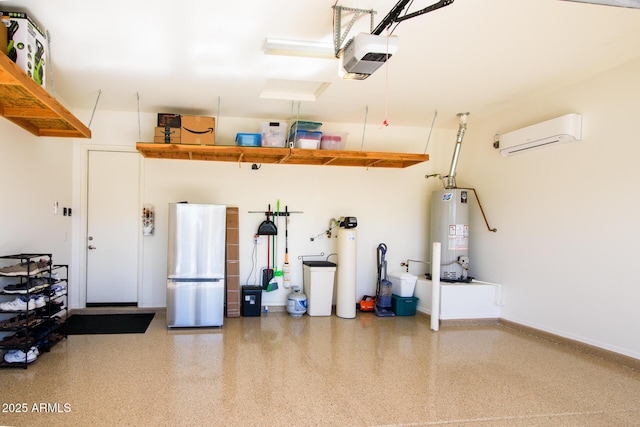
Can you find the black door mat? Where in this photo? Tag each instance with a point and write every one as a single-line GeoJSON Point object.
{"type": "Point", "coordinates": [97, 324]}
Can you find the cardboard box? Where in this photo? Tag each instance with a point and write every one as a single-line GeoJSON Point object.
{"type": "Point", "coordinates": [26, 46]}
{"type": "Point", "coordinates": [173, 120]}
{"type": "Point", "coordinates": [198, 130]}
{"type": "Point", "coordinates": [174, 135]}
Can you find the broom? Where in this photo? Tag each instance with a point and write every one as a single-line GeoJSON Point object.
{"type": "Point", "coordinates": [286, 281]}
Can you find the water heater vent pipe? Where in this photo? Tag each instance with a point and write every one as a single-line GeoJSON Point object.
{"type": "Point", "coordinates": [462, 128]}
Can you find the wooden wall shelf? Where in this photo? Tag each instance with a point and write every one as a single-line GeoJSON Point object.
{"type": "Point", "coordinates": [293, 156]}
{"type": "Point", "coordinates": [28, 105]}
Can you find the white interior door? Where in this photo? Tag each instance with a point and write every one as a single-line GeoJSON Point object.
{"type": "Point", "coordinates": [112, 228]}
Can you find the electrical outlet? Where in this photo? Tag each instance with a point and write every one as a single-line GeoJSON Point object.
{"type": "Point", "coordinates": [256, 240]}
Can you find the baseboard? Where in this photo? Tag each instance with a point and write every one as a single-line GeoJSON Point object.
{"type": "Point", "coordinates": [274, 308]}
{"type": "Point", "coordinates": [461, 322]}
{"type": "Point", "coordinates": [600, 353]}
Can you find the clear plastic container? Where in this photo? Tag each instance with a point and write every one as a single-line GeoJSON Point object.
{"type": "Point", "coordinates": [273, 134]}
{"type": "Point", "coordinates": [333, 140]}
{"type": "Point", "coordinates": [306, 139]}
{"type": "Point", "coordinates": [303, 125]}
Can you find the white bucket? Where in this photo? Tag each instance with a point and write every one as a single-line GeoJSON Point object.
{"type": "Point", "coordinates": [402, 284]}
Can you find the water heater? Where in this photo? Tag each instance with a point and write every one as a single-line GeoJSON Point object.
{"type": "Point", "coordinates": [450, 219]}
{"type": "Point", "coordinates": [450, 227]}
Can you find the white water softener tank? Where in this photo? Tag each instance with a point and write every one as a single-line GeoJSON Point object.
{"type": "Point", "coordinates": [346, 274]}
{"type": "Point", "coordinates": [296, 303]}
{"type": "Point", "coordinates": [450, 227]}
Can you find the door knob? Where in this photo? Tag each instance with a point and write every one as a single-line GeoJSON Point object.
{"type": "Point", "coordinates": [91, 247]}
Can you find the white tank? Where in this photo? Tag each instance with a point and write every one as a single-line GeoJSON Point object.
{"type": "Point", "coordinates": [450, 227]}
{"type": "Point", "coordinates": [346, 274]}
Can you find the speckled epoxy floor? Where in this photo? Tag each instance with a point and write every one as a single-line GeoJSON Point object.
{"type": "Point", "coordinates": [276, 370]}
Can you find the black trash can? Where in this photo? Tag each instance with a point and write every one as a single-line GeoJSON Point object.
{"type": "Point", "coordinates": [251, 301]}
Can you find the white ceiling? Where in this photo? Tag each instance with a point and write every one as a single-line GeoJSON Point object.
{"type": "Point", "coordinates": [187, 57]}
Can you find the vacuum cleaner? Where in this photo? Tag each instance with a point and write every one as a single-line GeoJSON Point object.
{"type": "Point", "coordinates": [383, 288]}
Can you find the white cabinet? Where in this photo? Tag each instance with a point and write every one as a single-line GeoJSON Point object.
{"type": "Point", "coordinates": [461, 300]}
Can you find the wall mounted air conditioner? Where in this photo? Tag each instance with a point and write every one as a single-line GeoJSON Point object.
{"type": "Point", "coordinates": [565, 128]}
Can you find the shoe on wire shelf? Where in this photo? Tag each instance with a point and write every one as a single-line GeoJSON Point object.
{"type": "Point", "coordinates": [19, 356]}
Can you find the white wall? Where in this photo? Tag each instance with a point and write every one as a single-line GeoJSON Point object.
{"type": "Point", "coordinates": [391, 204]}
{"type": "Point", "coordinates": [35, 173]}
{"type": "Point", "coordinates": [567, 216]}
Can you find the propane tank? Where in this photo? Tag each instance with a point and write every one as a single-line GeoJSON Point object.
{"type": "Point", "coordinates": [296, 303]}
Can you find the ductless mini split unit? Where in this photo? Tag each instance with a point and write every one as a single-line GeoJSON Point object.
{"type": "Point", "coordinates": [565, 128]}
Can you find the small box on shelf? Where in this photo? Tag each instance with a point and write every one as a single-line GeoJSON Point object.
{"type": "Point", "coordinates": [248, 139]}
{"type": "Point", "coordinates": [170, 119]}
{"type": "Point", "coordinates": [161, 135]}
{"type": "Point", "coordinates": [198, 130]}
{"type": "Point", "coordinates": [25, 45]}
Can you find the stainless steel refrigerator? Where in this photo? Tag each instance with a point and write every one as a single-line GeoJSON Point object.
{"type": "Point", "coordinates": [196, 265]}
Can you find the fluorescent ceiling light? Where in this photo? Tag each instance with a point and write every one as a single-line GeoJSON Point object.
{"type": "Point", "coordinates": [299, 48]}
{"type": "Point", "coordinates": [293, 90]}
{"type": "Point", "coordinates": [634, 4]}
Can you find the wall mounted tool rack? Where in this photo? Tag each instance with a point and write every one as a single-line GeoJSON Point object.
{"type": "Point", "coordinates": [287, 156]}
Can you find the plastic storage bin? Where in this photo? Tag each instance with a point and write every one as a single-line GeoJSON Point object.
{"type": "Point", "coordinates": [251, 303]}
{"type": "Point", "coordinates": [402, 284]}
{"type": "Point", "coordinates": [303, 125]}
{"type": "Point", "coordinates": [333, 140]}
{"type": "Point", "coordinates": [307, 139]}
{"type": "Point", "coordinates": [404, 306]}
{"type": "Point", "coordinates": [317, 282]}
{"type": "Point", "coordinates": [248, 139]}
{"type": "Point", "coordinates": [273, 134]}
